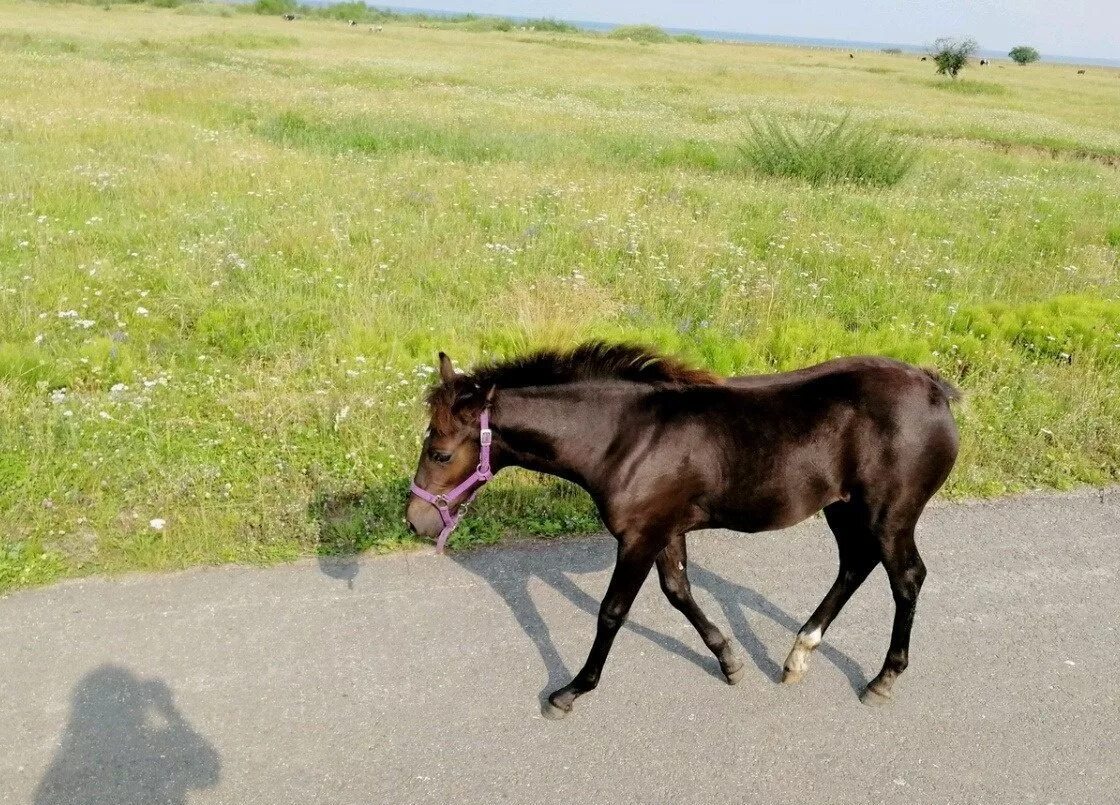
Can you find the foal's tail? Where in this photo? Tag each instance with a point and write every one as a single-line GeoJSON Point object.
{"type": "Point", "coordinates": [952, 393]}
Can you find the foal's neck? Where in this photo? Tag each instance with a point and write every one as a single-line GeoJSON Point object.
{"type": "Point", "coordinates": [560, 430]}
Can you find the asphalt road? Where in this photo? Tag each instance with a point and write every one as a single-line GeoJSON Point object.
{"type": "Point", "coordinates": [418, 678]}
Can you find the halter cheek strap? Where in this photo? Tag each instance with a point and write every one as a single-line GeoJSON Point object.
{"type": "Point", "coordinates": [468, 488]}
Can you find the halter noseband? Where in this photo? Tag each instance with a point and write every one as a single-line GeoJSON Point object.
{"type": "Point", "coordinates": [474, 482]}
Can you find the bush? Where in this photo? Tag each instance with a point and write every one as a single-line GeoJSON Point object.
{"type": "Point", "coordinates": [827, 152]}
{"type": "Point", "coordinates": [475, 23]}
{"type": "Point", "coordinates": [1024, 54]}
{"type": "Point", "coordinates": [549, 25]}
{"type": "Point", "coordinates": [691, 39]}
{"type": "Point", "coordinates": [274, 7]}
{"type": "Point", "coordinates": [1064, 328]}
{"type": "Point", "coordinates": [952, 55]}
{"type": "Point", "coordinates": [359, 12]}
{"type": "Point", "coordinates": [649, 34]}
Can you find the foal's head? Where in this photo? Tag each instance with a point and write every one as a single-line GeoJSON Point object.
{"type": "Point", "coordinates": [452, 449]}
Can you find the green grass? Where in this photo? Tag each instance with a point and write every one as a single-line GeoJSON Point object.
{"type": "Point", "coordinates": [231, 246]}
{"type": "Point", "coordinates": [825, 152]}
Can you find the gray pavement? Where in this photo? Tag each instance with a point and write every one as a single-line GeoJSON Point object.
{"type": "Point", "coordinates": [418, 678]}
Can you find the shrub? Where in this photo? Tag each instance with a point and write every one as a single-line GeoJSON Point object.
{"type": "Point", "coordinates": [344, 11]}
{"type": "Point", "coordinates": [475, 23]}
{"type": "Point", "coordinates": [691, 39]}
{"type": "Point", "coordinates": [827, 152]}
{"type": "Point", "coordinates": [1064, 328]}
{"type": "Point", "coordinates": [273, 7]}
{"type": "Point", "coordinates": [952, 55]}
{"type": "Point", "coordinates": [649, 34]}
{"type": "Point", "coordinates": [550, 25]}
{"type": "Point", "coordinates": [1024, 54]}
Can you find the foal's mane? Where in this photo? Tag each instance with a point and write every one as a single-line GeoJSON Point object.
{"type": "Point", "coordinates": [595, 360]}
{"type": "Point", "coordinates": [592, 361]}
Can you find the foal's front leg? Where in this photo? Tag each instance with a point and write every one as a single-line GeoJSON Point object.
{"type": "Point", "coordinates": [635, 558]}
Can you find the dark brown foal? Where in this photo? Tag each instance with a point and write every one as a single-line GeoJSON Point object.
{"type": "Point", "coordinates": [665, 449]}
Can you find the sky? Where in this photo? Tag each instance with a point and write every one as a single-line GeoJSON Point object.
{"type": "Point", "coordinates": [1058, 27]}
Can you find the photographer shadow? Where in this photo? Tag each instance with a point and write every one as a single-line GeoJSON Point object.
{"type": "Point", "coordinates": [126, 744]}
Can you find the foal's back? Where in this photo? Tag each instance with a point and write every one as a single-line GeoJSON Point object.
{"type": "Point", "coordinates": [782, 446]}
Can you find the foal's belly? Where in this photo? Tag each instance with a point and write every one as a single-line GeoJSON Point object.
{"type": "Point", "coordinates": [772, 510]}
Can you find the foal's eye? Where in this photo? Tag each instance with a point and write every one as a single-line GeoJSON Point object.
{"type": "Point", "coordinates": [437, 456]}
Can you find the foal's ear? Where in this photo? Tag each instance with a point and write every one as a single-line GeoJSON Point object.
{"type": "Point", "coordinates": [446, 370]}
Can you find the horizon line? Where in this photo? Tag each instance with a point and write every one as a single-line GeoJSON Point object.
{"type": "Point", "coordinates": [712, 34]}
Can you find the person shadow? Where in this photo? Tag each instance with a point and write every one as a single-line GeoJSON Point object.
{"type": "Point", "coordinates": [510, 573]}
{"type": "Point", "coordinates": [126, 744]}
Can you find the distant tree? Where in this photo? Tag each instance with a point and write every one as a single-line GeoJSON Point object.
{"type": "Point", "coordinates": [952, 55]}
{"type": "Point", "coordinates": [1024, 54]}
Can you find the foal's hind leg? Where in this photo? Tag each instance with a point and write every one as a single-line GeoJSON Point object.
{"type": "Point", "coordinates": [672, 567]}
{"type": "Point", "coordinates": [906, 572]}
{"type": "Point", "coordinates": [859, 553]}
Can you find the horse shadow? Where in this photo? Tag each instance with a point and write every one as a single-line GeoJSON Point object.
{"type": "Point", "coordinates": [340, 525]}
{"type": "Point", "coordinates": [343, 520]}
{"type": "Point", "coordinates": [511, 572]}
{"type": "Point", "coordinates": [343, 568]}
{"type": "Point", "coordinates": [735, 598]}
{"type": "Point", "coordinates": [126, 744]}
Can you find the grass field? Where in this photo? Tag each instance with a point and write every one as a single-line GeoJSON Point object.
{"type": "Point", "coordinates": [230, 247]}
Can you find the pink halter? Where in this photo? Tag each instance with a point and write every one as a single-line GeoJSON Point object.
{"type": "Point", "coordinates": [475, 482]}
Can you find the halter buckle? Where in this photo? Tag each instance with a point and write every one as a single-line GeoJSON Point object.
{"type": "Point", "coordinates": [485, 437]}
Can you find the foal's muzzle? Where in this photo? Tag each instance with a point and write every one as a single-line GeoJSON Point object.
{"type": "Point", "coordinates": [423, 518]}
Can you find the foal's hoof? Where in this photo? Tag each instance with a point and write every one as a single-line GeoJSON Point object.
{"type": "Point", "coordinates": [734, 677]}
{"type": "Point", "coordinates": [873, 697]}
{"type": "Point", "coordinates": [791, 676]}
{"type": "Point", "coordinates": [554, 713]}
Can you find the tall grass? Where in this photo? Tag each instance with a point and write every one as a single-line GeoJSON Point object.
{"type": "Point", "coordinates": [968, 87]}
{"type": "Point", "coordinates": [825, 152]}
{"type": "Point", "coordinates": [230, 248]}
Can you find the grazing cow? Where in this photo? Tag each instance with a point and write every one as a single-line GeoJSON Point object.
{"type": "Point", "coordinates": [851, 55]}
{"type": "Point", "coordinates": [352, 23]}
{"type": "Point", "coordinates": [924, 58]}
{"type": "Point", "coordinates": [983, 62]}
{"type": "Point", "coordinates": [289, 17]}
{"type": "Point", "coordinates": [1081, 72]}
